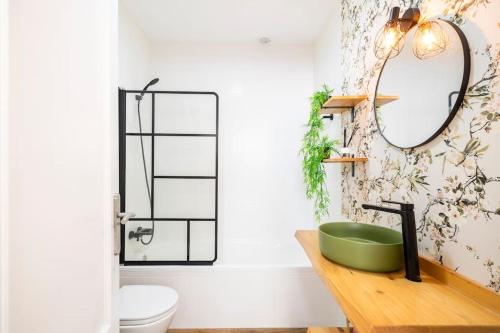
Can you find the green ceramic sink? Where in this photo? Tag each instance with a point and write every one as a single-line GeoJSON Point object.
{"type": "Point", "coordinates": [363, 246]}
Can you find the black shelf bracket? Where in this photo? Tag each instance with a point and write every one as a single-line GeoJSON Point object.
{"type": "Point", "coordinates": [330, 116]}
{"type": "Point", "coordinates": [353, 116]}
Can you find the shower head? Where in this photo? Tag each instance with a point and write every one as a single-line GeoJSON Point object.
{"type": "Point", "coordinates": [152, 82]}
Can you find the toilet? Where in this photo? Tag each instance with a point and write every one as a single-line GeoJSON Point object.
{"type": "Point", "coordinates": [146, 308]}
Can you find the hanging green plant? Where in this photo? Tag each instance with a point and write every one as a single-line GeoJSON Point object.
{"type": "Point", "coordinates": [316, 146]}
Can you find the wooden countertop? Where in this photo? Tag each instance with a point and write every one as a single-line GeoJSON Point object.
{"type": "Point", "coordinates": [376, 302]}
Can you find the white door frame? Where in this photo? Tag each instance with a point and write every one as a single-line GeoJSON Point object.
{"type": "Point", "coordinates": [110, 322]}
{"type": "Point", "coordinates": [111, 260]}
{"type": "Point", "coordinates": [114, 260]}
{"type": "Point", "coordinates": [4, 41]}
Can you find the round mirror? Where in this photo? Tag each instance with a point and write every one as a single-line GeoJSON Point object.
{"type": "Point", "coordinates": [422, 96]}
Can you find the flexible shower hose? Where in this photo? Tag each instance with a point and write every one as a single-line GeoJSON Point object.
{"type": "Point", "coordinates": [145, 172]}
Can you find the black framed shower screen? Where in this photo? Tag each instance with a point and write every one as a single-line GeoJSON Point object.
{"type": "Point", "coordinates": [154, 178]}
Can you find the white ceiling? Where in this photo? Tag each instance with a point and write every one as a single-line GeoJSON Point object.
{"type": "Point", "coordinates": [284, 21]}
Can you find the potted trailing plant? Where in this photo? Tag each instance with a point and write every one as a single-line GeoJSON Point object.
{"type": "Point", "coordinates": [317, 146]}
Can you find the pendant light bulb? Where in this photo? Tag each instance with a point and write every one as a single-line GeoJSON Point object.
{"type": "Point", "coordinates": [389, 41]}
{"type": "Point", "coordinates": [429, 40]}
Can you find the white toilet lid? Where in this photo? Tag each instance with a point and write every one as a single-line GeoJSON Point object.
{"type": "Point", "coordinates": [145, 303]}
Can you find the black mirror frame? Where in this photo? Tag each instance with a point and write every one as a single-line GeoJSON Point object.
{"type": "Point", "coordinates": [460, 97]}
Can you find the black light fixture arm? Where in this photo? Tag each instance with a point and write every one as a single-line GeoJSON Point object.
{"type": "Point", "coordinates": [407, 21]}
{"type": "Point", "coordinates": [394, 15]}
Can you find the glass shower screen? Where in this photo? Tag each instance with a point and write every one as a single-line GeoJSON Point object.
{"type": "Point", "coordinates": [180, 166]}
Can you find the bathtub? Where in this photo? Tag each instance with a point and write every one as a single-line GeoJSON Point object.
{"type": "Point", "coordinates": [252, 285]}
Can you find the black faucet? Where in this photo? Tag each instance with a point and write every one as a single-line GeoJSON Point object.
{"type": "Point", "coordinates": [410, 248]}
{"type": "Point", "coordinates": [140, 232]}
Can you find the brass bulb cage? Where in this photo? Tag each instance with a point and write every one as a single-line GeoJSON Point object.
{"type": "Point", "coordinates": [409, 19]}
{"type": "Point", "coordinates": [423, 49]}
{"type": "Point", "coordinates": [400, 26]}
{"type": "Point", "coordinates": [389, 41]}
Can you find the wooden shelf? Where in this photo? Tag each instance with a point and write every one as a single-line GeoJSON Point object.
{"type": "Point", "coordinates": [345, 160]}
{"type": "Point", "coordinates": [384, 99]}
{"type": "Point", "coordinates": [387, 302]}
{"type": "Point", "coordinates": [339, 104]}
{"type": "Point", "coordinates": [345, 102]}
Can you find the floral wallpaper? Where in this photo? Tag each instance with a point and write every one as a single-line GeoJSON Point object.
{"type": "Point", "coordinates": [453, 181]}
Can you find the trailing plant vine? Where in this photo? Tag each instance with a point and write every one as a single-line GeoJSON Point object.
{"type": "Point", "coordinates": [315, 147]}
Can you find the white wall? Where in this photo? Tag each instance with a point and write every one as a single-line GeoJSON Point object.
{"type": "Point", "coordinates": [272, 296]}
{"type": "Point", "coordinates": [134, 49]}
{"type": "Point", "coordinates": [327, 70]}
{"type": "Point", "coordinates": [263, 105]}
{"type": "Point", "coordinates": [264, 94]}
{"type": "Point", "coordinates": [3, 164]}
{"type": "Point", "coordinates": [61, 105]}
{"type": "Point", "coordinates": [328, 55]}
